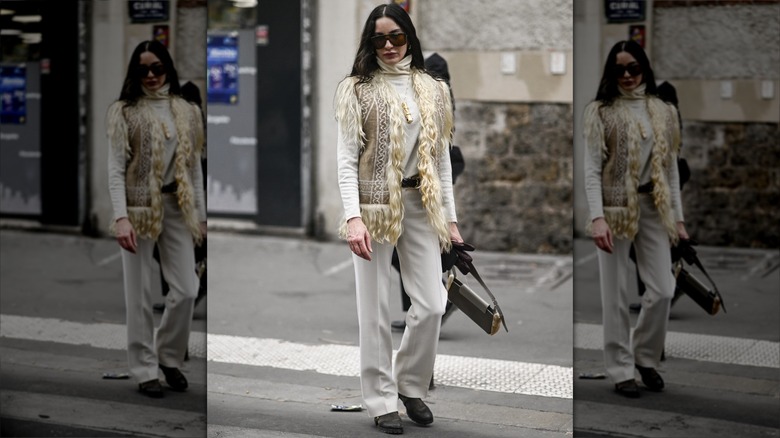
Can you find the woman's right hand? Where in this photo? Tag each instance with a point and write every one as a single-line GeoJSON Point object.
{"type": "Point", "coordinates": [601, 234]}
{"type": "Point", "coordinates": [125, 235]}
{"type": "Point", "coordinates": [358, 238]}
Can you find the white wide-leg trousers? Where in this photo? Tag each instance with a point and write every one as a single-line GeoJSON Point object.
{"type": "Point", "coordinates": [177, 257]}
{"type": "Point", "coordinates": [420, 260]}
{"type": "Point", "coordinates": [655, 268]}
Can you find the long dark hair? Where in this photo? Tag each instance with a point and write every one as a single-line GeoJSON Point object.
{"type": "Point", "coordinates": [608, 88]}
{"type": "Point", "coordinates": [131, 88]}
{"type": "Point", "coordinates": [365, 60]}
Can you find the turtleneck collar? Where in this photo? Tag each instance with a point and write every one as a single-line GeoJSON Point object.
{"type": "Point", "coordinates": [403, 67]}
{"type": "Point", "coordinates": [160, 93]}
{"type": "Point", "coordinates": [636, 93]}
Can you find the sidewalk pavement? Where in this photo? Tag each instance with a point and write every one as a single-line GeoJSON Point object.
{"type": "Point", "coordinates": [62, 327]}
{"type": "Point", "coordinates": [283, 346]}
{"type": "Point", "coordinates": [722, 371]}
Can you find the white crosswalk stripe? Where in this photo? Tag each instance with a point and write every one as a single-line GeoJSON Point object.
{"type": "Point", "coordinates": [706, 348]}
{"type": "Point", "coordinates": [341, 360]}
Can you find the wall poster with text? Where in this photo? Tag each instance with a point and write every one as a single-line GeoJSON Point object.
{"type": "Point", "coordinates": [222, 65]}
{"type": "Point", "coordinates": [13, 94]}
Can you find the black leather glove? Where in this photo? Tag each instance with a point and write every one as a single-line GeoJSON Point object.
{"type": "Point", "coordinates": [684, 250]}
{"type": "Point", "coordinates": [464, 258]}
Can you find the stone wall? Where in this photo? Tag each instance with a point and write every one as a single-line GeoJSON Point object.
{"type": "Point", "coordinates": [515, 193]}
{"type": "Point", "coordinates": [495, 24]}
{"type": "Point", "coordinates": [733, 196]}
{"type": "Point", "coordinates": [724, 40]}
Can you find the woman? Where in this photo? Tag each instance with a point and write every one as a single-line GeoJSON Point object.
{"type": "Point", "coordinates": [395, 123]}
{"type": "Point", "coordinates": [155, 144]}
{"type": "Point", "coordinates": [633, 192]}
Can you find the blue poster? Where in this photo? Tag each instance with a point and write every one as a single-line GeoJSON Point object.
{"type": "Point", "coordinates": [222, 65]}
{"type": "Point", "coordinates": [13, 94]}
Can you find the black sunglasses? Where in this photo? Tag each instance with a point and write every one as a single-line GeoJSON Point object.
{"type": "Point", "coordinates": [633, 69]}
{"type": "Point", "coordinates": [156, 69]}
{"type": "Point", "coordinates": [396, 39]}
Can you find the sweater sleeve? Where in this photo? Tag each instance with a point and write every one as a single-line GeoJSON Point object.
{"type": "Point", "coordinates": [674, 178]}
{"type": "Point", "coordinates": [674, 189]}
{"type": "Point", "coordinates": [118, 149]}
{"type": "Point", "coordinates": [593, 158]}
{"type": "Point", "coordinates": [447, 192]}
{"type": "Point", "coordinates": [197, 169]}
{"type": "Point", "coordinates": [445, 163]}
{"type": "Point", "coordinates": [116, 182]}
{"type": "Point", "coordinates": [197, 187]}
{"type": "Point", "coordinates": [350, 134]}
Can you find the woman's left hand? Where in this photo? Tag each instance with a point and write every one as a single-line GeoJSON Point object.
{"type": "Point", "coordinates": [681, 233]}
{"type": "Point", "coordinates": [454, 233]}
{"type": "Point", "coordinates": [203, 229]}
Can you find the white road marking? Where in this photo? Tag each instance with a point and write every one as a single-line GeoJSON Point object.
{"type": "Point", "coordinates": [110, 258]}
{"type": "Point", "coordinates": [342, 360]}
{"type": "Point", "coordinates": [705, 348]}
{"type": "Point", "coordinates": [583, 260]}
{"type": "Point", "coordinates": [100, 335]}
{"type": "Point", "coordinates": [338, 268]}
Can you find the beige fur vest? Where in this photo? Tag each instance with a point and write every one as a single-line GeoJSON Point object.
{"type": "Point", "coordinates": [135, 131]}
{"type": "Point", "coordinates": [615, 131]}
{"type": "Point", "coordinates": [371, 114]}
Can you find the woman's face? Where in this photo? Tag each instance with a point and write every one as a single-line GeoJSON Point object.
{"type": "Point", "coordinates": [389, 53]}
{"type": "Point", "coordinates": [152, 71]}
{"type": "Point", "coordinates": [629, 72]}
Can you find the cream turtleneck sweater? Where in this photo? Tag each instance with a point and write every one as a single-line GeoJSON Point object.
{"type": "Point", "coordinates": [636, 102]}
{"type": "Point", "coordinates": [399, 77]}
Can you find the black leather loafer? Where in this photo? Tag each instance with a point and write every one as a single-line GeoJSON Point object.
{"type": "Point", "coordinates": [152, 388]}
{"type": "Point", "coordinates": [417, 410]}
{"type": "Point", "coordinates": [651, 378]}
{"type": "Point", "coordinates": [389, 423]}
{"type": "Point", "coordinates": [628, 388]}
{"type": "Point", "coordinates": [174, 378]}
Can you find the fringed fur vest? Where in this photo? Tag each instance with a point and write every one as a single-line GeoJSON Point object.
{"type": "Point", "coordinates": [615, 131]}
{"type": "Point", "coordinates": [371, 114]}
{"type": "Point", "coordinates": [135, 130]}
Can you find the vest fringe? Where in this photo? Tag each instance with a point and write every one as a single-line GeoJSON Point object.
{"type": "Point", "coordinates": [348, 113]}
{"type": "Point", "coordinates": [117, 129]}
{"type": "Point", "coordinates": [142, 219]}
{"type": "Point", "coordinates": [381, 222]}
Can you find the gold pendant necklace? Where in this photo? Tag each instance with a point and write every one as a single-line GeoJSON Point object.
{"type": "Point", "coordinates": [407, 113]}
{"type": "Point", "coordinates": [404, 106]}
{"type": "Point", "coordinates": [165, 131]}
{"type": "Point", "coordinates": [642, 131]}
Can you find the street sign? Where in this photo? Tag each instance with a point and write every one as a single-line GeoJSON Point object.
{"type": "Point", "coordinates": [148, 11]}
{"type": "Point", "coordinates": [624, 11]}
